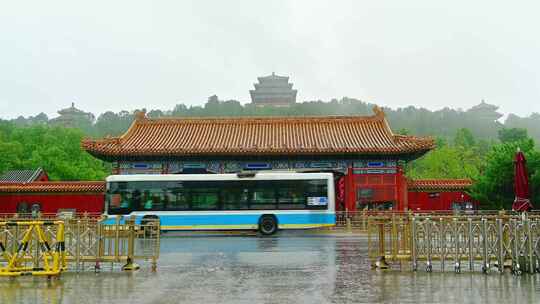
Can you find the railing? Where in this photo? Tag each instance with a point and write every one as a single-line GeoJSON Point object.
{"type": "Point", "coordinates": [358, 220]}
{"type": "Point", "coordinates": [484, 241]}
{"type": "Point", "coordinates": [86, 242]}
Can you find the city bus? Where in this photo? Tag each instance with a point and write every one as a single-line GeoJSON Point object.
{"type": "Point", "coordinates": [265, 202]}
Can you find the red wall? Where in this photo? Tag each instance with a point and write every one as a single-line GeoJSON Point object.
{"type": "Point", "coordinates": [50, 203]}
{"type": "Point", "coordinates": [386, 187]}
{"type": "Point", "coordinates": [421, 201]}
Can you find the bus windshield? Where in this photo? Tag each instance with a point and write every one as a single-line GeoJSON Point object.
{"type": "Point", "coordinates": [128, 196]}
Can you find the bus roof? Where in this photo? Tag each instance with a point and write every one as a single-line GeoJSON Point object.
{"type": "Point", "coordinates": [233, 176]}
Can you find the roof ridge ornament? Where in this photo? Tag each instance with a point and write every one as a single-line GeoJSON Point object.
{"type": "Point", "coordinates": [140, 115]}
{"type": "Point", "coordinates": [379, 113]}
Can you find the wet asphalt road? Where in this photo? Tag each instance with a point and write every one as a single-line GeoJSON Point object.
{"type": "Point", "coordinates": [288, 268]}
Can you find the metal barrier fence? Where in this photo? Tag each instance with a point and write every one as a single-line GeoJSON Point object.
{"type": "Point", "coordinates": [358, 220]}
{"type": "Point", "coordinates": [85, 242]}
{"type": "Point", "coordinates": [474, 242]}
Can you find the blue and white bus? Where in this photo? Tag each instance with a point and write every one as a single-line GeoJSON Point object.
{"type": "Point", "coordinates": [246, 201]}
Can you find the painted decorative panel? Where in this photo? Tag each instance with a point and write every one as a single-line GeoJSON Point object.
{"type": "Point", "coordinates": [232, 166]}
{"type": "Point", "coordinates": [257, 166]}
{"type": "Point", "coordinates": [374, 164]}
{"type": "Point", "coordinates": [374, 171]}
{"type": "Point", "coordinates": [280, 165]}
{"type": "Point", "coordinates": [214, 166]}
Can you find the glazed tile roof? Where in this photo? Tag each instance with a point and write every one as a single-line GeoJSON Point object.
{"type": "Point", "coordinates": [439, 184]}
{"type": "Point", "coordinates": [42, 187]}
{"type": "Point", "coordinates": [22, 176]}
{"type": "Point", "coordinates": [328, 135]}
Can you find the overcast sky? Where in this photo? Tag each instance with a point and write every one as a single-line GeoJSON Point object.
{"type": "Point", "coordinates": [114, 55]}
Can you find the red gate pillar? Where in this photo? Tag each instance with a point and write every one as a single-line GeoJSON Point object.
{"type": "Point", "coordinates": [350, 197]}
{"type": "Point", "coordinates": [402, 191]}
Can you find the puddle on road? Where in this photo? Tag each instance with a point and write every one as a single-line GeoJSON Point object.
{"type": "Point", "coordinates": [282, 269]}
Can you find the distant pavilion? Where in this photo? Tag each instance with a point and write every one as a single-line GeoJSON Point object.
{"type": "Point", "coordinates": [273, 90]}
{"type": "Point", "coordinates": [71, 117]}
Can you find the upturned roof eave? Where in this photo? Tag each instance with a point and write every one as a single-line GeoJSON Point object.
{"type": "Point", "coordinates": [402, 155]}
{"type": "Point", "coordinates": [403, 147]}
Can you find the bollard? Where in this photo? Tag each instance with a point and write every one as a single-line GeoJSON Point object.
{"type": "Point", "coordinates": [101, 247]}
{"type": "Point", "coordinates": [154, 264]}
{"type": "Point", "coordinates": [470, 243]}
{"type": "Point", "coordinates": [413, 244]}
{"type": "Point", "coordinates": [61, 245]}
{"type": "Point", "coordinates": [457, 264]}
{"type": "Point", "coordinates": [429, 265]}
{"type": "Point", "coordinates": [516, 264]}
{"type": "Point", "coordinates": [529, 247]}
{"type": "Point", "coordinates": [394, 238]}
{"type": "Point", "coordinates": [485, 262]}
{"type": "Point", "coordinates": [500, 248]}
{"type": "Point", "coordinates": [380, 263]}
{"type": "Point", "coordinates": [78, 246]}
{"type": "Point", "coordinates": [364, 220]}
{"type": "Point", "coordinates": [442, 243]}
{"type": "Point", "coordinates": [117, 239]}
{"type": "Point", "coordinates": [130, 265]}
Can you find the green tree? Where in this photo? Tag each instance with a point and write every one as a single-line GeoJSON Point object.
{"type": "Point", "coordinates": [494, 188]}
{"type": "Point", "coordinates": [56, 149]}
{"type": "Point", "coordinates": [444, 162]}
{"type": "Point", "coordinates": [530, 123]}
{"type": "Point", "coordinates": [512, 135]}
{"type": "Point", "coordinates": [464, 138]}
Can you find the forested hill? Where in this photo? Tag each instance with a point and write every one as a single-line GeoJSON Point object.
{"type": "Point", "coordinates": [483, 119]}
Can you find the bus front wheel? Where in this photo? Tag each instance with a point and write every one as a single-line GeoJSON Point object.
{"type": "Point", "coordinates": [268, 225]}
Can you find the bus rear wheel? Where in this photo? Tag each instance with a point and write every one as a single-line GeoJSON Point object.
{"type": "Point", "coordinates": [268, 225]}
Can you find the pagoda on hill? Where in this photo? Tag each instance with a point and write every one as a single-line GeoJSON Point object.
{"type": "Point", "coordinates": [485, 111]}
{"type": "Point", "coordinates": [72, 117]}
{"type": "Point", "coordinates": [273, 90]}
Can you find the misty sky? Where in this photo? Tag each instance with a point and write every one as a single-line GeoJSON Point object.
{"type": "Point", "coordinates": [113, 55]}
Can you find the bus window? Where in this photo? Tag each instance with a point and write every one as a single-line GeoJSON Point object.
{"type": "Point", "coordinates": [119, 203]}
{"type": "Point", "coordinates": [291, 198]}
{"type": "Point", "coordinates": [234, 198]}
{"type": "Point", "coordinates": [204, 198]}
{"type": "Point", "coordinates": [263, 196]}
{"type": "Point", "coordinates": [136, 200]}
{"type": "Point", "coordinates": [177, 198]}
{"type": "Point", "coordinates": [115, 200]}
{"type": "Point", "coordinates": [153, 199]}
{"type": "Point", "coordinates": [316, 188]}
{"type": "Point", "coordinates": [316, 193]}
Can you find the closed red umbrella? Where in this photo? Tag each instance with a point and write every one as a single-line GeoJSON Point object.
{"type": "Point", "coordinates": [521, 184]}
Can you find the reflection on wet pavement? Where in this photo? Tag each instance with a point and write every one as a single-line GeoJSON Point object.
{"type": "Point", "coordinates": [283, 269]}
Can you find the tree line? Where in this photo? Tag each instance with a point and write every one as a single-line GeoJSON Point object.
{"type": "Point", "coordinates": [483, 119]}
{"type": "Point", "coordinates": [56, 149]}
